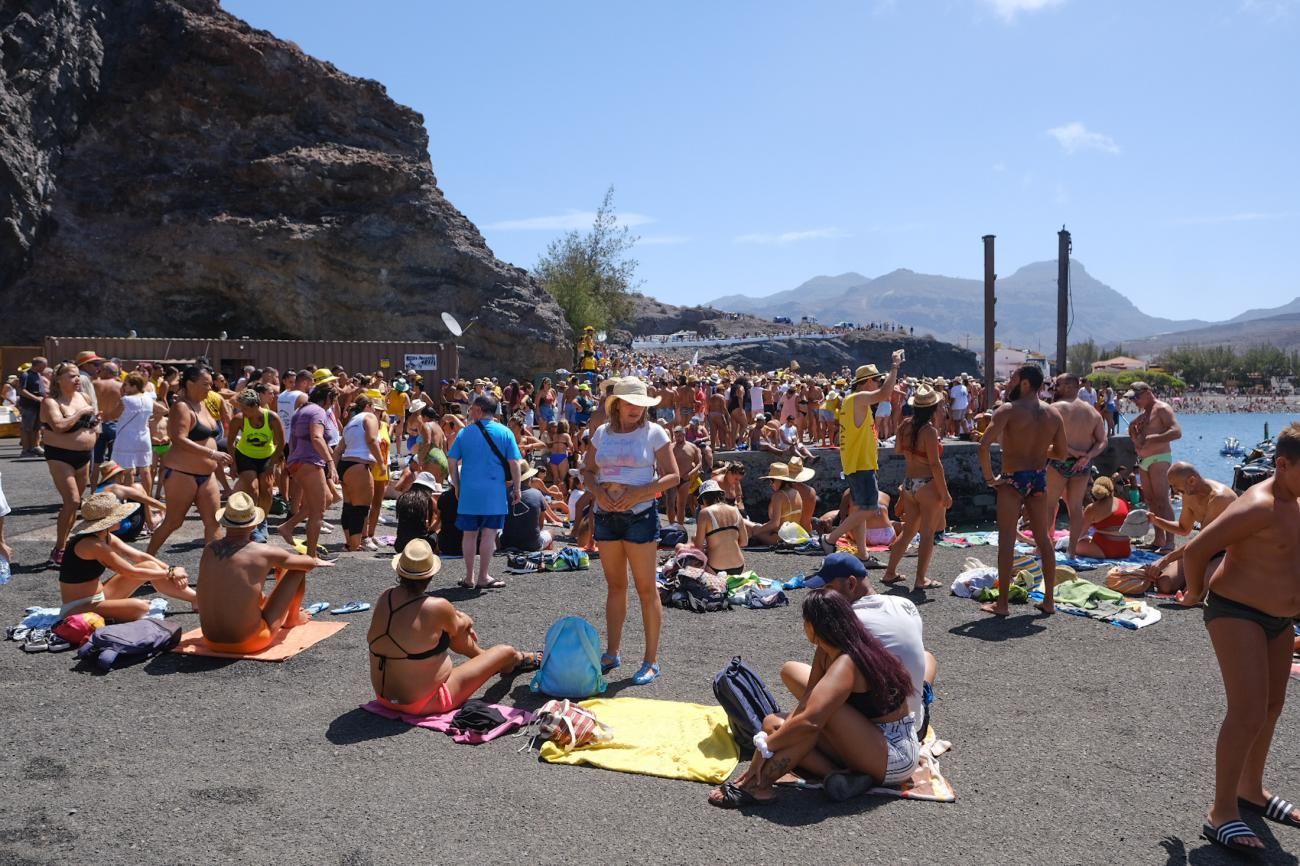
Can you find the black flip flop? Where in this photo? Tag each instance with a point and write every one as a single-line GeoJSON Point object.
{"type": "Point", "coordinates": [1277, 810]}
{"type": "Point", "coordinates": [735, 797]}
{"type": "Point", "coordinates": [1228, 834]}
{"type": "Point", "coordinates": [530, 662]}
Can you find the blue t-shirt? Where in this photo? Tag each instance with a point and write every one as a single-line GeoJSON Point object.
{"type": "Point", "coordinates": [482, 477]}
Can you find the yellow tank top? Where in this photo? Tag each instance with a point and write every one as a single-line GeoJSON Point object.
{"type": "Point", "coordinates": [379, 471]}
{"type": "Point", "coordinates": [857, 444]}
{"type": "Point", "coordinates": [257, 442]}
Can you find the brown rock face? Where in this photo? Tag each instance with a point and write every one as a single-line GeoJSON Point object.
{"type": "Point", "coordinates": [166, 168]}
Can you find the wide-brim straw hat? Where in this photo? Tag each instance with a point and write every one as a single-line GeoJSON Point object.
{"type": "Point", "coordinates": [865, 372]}
{"type": "Point", "coordinates": [793, 471]}
{"type": "Point", "coordinates": [87, 357]}
{"type": "Point", "coordinates": [241, 512]}
{"type": "Point", "coordinates": [108, 469]}
{"type": "Point", "coordinates": [417, 561]}
{"type": "Point", "coordinates": [100, 511]}
{"type": "Point", "coordinates": [924, 396]}
{"type": "Point", "coordinates": [323, 377]}
{"type": "Point", "coordinates": [526, 471]}
{"type": "Point", "coordinates": [632, 390]}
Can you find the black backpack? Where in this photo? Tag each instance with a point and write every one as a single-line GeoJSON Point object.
{"type": "Point", "coordinates": [742, 693]}
{"type": "Point", "coordinates": [116, 645]}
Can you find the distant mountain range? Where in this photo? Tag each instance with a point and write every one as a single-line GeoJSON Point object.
{"type": "Point", "coordinates": [952, 308]}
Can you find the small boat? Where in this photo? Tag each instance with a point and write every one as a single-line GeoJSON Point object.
{"type": "Point", "coordinates": [1232, 447]}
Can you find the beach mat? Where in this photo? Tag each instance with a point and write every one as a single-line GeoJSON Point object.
{"type": "Point", "coordinates": [288, 643]}
{"type": "Point", "coordinates": [514, 719]}
{"type": "Point", "coordinates": [669, 739]}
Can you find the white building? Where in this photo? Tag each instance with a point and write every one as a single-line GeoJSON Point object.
{"type": "Point", "coordinates": [1006, 361]}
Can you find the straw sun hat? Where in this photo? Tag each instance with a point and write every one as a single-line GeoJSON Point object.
{"type": "Point", "coordinates": [417, 561]}
{"type": "Point", "coordinates": [793, 471]}
{"type": "Point", "coordinates": [923, 396]}
{"type": "Point", "coordinates": [241, 512]}
{"type": "Point", "coordinates": [633, 391]}
{"type": "Point", "coordinates": [865, 372]}
{"type": "Point", "coordinates": [101, 511]}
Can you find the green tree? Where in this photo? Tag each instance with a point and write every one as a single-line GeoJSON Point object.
{"type": "Point", "coordinates": [1080, 357]}
{"type": "Point", "coordinates": [590, 274]}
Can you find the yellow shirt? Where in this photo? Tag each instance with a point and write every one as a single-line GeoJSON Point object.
{"type": "Point", "coordinates": [857, 444]}
{"type": "Point", "coordinates": [214, 402]}
{"type": "Point", "coordinates": [379, 471]}
{"type": "Point", "coordinates": [397, 403]}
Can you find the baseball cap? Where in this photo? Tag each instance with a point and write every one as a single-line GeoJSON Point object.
{"type": "Point", "coordinates": [1136, 388]}
{"type": "Point", "coordinates": [839, 565]}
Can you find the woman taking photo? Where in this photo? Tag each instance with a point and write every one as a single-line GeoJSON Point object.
{"type": "Point", "coordinates": [71, 428]}
{"type": "Point", "coordinates": [630, 464]}
{"type": "Point", "coordinates": [852, 727]}
{"type": "Point", "coordinates": [256, 437]}
{"type": "Point", "coordinates": [189, 465]}
{"type": "Point", "coordinates": [926, 499]}
{"type": "Point", "coordinates": [311, 465]}
{"type": "Point", "coordinates": [359, 453]}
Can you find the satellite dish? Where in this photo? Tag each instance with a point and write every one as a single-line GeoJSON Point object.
{"type": "Point", "coordinates": [223, 335]}
{"type": "Point", "coordinates": [601, 336]}
{"type": "Point", "coordinates": [131, 333]}
{"type": "Point", "coordinates": [454, 326]}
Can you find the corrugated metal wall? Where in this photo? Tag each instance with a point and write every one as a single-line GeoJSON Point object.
{"type": "Point", "coordinates": [12, 356]}
{"type": "Point", "coordinates": [359, 356]}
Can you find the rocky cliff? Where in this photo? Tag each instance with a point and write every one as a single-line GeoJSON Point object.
{"type": "Point", "coordinates": [166, 168]}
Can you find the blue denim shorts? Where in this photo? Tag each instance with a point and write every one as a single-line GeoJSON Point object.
{"type": "Point", "coordinates": [640, 527]}
{"type": "Point", "coordinates": [865, 492]}
{"type": "Point", "coordinates": [475, 522]}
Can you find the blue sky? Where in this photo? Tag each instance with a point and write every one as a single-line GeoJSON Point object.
{"type": "Point", "coordinates": [754, 145]}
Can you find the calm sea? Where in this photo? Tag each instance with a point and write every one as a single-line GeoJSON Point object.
{"type": "Point", "coordinates": [1203, 436]}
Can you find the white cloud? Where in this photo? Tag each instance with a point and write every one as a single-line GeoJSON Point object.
{"type": "Point", "coordinates": [1009, 9]}
{"type": "Point", "coordinates": [791, 237]}
{"type": "Point", "coordinates": [1241, 217]}
{"type": "Point", "coordinates": [1074, 137]}
{"type": "Point", "coordinates": [999, 167]}
{"type": "Point", "coordinates": [574, 219]}
{"type": "Point", "coordinates": [662, 240]}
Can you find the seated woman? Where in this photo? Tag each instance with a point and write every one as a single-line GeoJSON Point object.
{"type": "Point", "coordinates": [720, 530]}
{"type": "Point", "coordinates": [417, 512]}
{"type": "Point", "coordinates": [731, 478]}
{"type": "Point", "coordinates": [1105, 516]}
{"type": "Point", "coordinates": [92, 549]}
{"type": "Point", "coordinates": [410, 635]}
{"type": "Point", "coordinates": [852, 727]}
{"type": "Point", "coordinates": [116, 480]}
{"type": "Point", "coordinates": [786, 505]}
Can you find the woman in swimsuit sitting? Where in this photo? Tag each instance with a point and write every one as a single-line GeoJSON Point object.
{"type": "Point", "coordinates": [852, 727]}
{"type": "Point", "coordinates": [720, 530]}
{"type": "Point", "coordinates": [1105, 516]}
{"type": "Point", "coordinates": [926, 499]}
{"type": "Point", "coordinates": [71, 427]}
{"type": "Point", "coordinates": [94, 549]}
{"type": "Point", "coordinates": [784, 507]}
{"type": "Point", "coordinates": [188, 466]}
{"type": "Point", "coordinates": [410, 635]}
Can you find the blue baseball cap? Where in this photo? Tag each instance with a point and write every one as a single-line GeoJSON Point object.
{"type": "Point", "coordinates": [839, 565]}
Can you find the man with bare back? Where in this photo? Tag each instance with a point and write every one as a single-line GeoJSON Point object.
{"type": "Point", "coordinates": [234, 614]}
{"type": "Point", "coordinates": [689, 460]}
{"type": "Point", "coordinates": [719, 421]}
{"type": "Point", "coordinates": [1030, 433]}
{"type": "Point", "coordinates": [1203, 501]}
{"type": "Point", "coordinates": [1251, 604]}
{"type": "Point", "coordinates": [1152, 432]}
{"type": "Point", "coordinates": [108, 394]}
{"type": "Point", "coordinates": [1070, 477]}
{"type": "Point", "coordinates": [684, 401]}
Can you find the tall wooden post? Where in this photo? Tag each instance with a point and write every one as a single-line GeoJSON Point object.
{"type": "Point", "coordinates": [990, 321]}
{"type": "Point", "coordinates": [1062, 297]}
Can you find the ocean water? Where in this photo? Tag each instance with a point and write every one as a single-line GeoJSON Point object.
{"type": "Point", "coordinates": [1203, 436]}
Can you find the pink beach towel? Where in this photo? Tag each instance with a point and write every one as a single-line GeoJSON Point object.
{"type": "Point", "coordinates": [514, 719]}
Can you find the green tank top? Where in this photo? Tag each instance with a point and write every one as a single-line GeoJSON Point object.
{"type": "Point", "coordinates": [257, 442]}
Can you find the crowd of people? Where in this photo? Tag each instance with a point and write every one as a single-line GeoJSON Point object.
{"type": "Point", "coordinates": [479, 464]}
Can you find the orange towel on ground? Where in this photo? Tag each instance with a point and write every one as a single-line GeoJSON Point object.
{"type": "Point", "coordinates": [288, 643]}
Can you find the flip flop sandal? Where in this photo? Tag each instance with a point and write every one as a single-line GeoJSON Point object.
{"type": "Point", "coordinates": [530, 662]}
{"type": "Point", "coordinates": [318, 607]}
{"type": "Point", "coordinates": [351, 607]}
{"type": "Point", "coordinates": [735, 797]}
{"type": "Point", "coordinates": [897, 579]}
{"type": "Point", "coordinates": [1229, 835]}
{"type": "Point", "coordinates": [929, 584]}
{"type": "Point", "coordinates": [1277, 810]}
{"type": "Point", "coordinates": [872, 562]}
{"type": "Point", "coordinates": [492, 583]}
{"type": "Point", "coordinates": [463, 585]}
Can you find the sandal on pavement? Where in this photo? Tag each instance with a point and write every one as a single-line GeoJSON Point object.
{"type": "Point", "coordinates": [529, 663]}
{"type": "Point", "coordinates": [609, 662]}
{"type": "Point", "coordinates": [492, 583]}
{"type": "Point", "coordinates": [649, 673]}
{"type": "Point", "coordinates": [1230, 835]}
{"type": "Point", "coordinates": [318, 607]}
{"type": "Point", "coordinates": [887, 581]}
{"type": "Point", "coordinates": [1277, 810]}
{"type": "Point", "coordinates": [735, 797]}
{"type": "Point", "coordinates": [351, 607]}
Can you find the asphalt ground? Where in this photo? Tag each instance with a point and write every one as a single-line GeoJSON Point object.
{"type": "Point", "coordinates": [1075, 742]}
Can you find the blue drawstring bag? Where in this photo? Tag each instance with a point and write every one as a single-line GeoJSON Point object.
{"type": "Point", "coordinates": [570, 661]}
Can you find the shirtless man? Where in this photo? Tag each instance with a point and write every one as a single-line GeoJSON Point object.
{"type": "Point", "coordinates": [1085, 432]}
{"type": "Point", "coordinates": [1253, 599]}
{"type": "Point", "coordinates": [108, 393]}
{"type": "Point", "coordinates": [683, 398]}
{"type": "Point", "coordinates": [234, 614]}
{"type": "Point", "coordinates": [1203, 501]}
{"type": "Point", "coordinates": [719, 422]}
{"type": "Point", "coordinates": [688, 461]}
{"type": "Point", "coordinates": [1030, 433]}
{"type": "Point", "coordinates": [737, 401]}
{"type": "Point", "coordinates": [1152, 431]}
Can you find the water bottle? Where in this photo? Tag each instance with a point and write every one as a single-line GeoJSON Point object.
{"type": "Point", "coordinates": [4, 570]}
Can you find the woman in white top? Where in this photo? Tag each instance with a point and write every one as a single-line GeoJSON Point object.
{"type": "Point", "coordinates": [132, 448]}
{"type": "Point", "coordinates": [630, 464]}
{"type": "Point", "coordinates": [357, 453]}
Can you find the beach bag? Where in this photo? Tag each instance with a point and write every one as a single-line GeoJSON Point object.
{"type": "Point", "coordinates": [570, 661]}
{"type": "Point", "coordinates": [1128, 581]}
{"type": "Point", "coordinates": [570, 559]}
{"type": "Point", "coordinates": [746, 700]}
{"type": "Point", "coordinates": [1028, 570]}
{"type": "Point", "coordinates": [569, 726]}
{"type": "Point", "coordinates": [671, 536]}
{"type": "Point", "coordinates": [78, 628]}
{"type": "Point", "coordinates": [126, 642]}
{"type": "Point", "coordinates": [792, 534]}
{"type": "Point", "coordinates": [699, 591]}
{"type": "Point", "coordinates": [763, 599]}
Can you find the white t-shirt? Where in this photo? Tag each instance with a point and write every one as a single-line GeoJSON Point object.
{"type": "Point", "coordinates": [1088, 396]}
{"type": "Point", "coordinates": [960, 397]}
{"type": "Point", "coordinates": [897, 623]}
{"type": "Point", "coordinates": [628, 458]}
{"type": "Point", "coordinates": [756, 399]}
{"type": "Point", "coordinates": [285, 405]}
{"type": "Point", "coordinates": [789, 434]}
{"type": "Point", "coordinates": [133, 424]}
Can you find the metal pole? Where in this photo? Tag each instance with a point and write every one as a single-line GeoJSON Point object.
{"type": "Point", "coordinates": [990, 322]}
{"type": "Point", "coordinates": [1062, 296]}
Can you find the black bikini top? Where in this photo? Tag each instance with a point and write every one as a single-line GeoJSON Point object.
{"type": "Point", "coordinates": [201, 432]}
{"type": "Point", "coordinates": [438, 649]}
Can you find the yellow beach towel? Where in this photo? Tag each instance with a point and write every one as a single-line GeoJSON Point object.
{"type": "Point", "coordinates": [657, 738]}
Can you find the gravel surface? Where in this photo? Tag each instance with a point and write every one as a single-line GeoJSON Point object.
{"type": "Point", "coordinates": [1074, 741]}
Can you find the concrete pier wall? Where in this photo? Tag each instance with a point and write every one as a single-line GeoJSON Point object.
{"type": "Point", "coordinates": [973, 501]}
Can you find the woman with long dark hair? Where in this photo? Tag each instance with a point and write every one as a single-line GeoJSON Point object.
{"type": "Point", "coordinates": [926, 499]}
{"type": "Point", "coordinates": [189, 465]}
{"type": "Point", "coordinates": [852, 727]}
